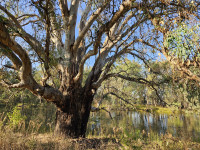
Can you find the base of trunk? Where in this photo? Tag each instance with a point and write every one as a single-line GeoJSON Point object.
{"type": "Point", "coordinates": [68, 125]}
{"type": "Point", "coordinates": [73, 122]}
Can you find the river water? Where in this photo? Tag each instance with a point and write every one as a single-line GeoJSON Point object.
{"type": "Point", "coordinates": [135, 124]}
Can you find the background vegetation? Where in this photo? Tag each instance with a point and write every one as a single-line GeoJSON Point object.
{"type": "Point", "coordinates": [24, 116]}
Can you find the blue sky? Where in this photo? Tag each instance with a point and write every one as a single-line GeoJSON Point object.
{"type": "Point", "coordinates": [90, 61]}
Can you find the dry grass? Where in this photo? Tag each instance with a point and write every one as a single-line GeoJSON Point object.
{"type": "Point", "coordinates": [16, 141]}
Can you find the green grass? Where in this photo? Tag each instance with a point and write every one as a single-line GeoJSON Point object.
{"type": "Point", "coordinates": [155, 109]}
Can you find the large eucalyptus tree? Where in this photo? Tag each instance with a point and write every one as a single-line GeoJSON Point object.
{"type": "Point", "coordinates": [61, 36]}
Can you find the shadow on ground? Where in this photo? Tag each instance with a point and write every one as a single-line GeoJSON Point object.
{"type": "Point", "coordinates": [50, 142]}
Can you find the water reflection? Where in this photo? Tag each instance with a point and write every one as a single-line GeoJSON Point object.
{"type": "Point", "coordinates": [155, 125]}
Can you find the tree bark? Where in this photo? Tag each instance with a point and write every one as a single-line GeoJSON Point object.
{"type": "Point", "coordinates": [71, 121]}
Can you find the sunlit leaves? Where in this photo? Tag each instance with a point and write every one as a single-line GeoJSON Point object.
{"type": "Point", "coordinates": [183, 42]}
{"type": "Point", "coordinates": [15, 117]}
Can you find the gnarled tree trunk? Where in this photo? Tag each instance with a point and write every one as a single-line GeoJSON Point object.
{"type": "Point", "coordinates": [72, 119]}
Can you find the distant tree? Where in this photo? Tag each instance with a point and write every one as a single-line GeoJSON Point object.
{"type": "Point", "coordinates": [44, 32]}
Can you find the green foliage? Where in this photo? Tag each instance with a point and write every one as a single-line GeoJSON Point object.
{"type": "Point", "coordinates": [15, 117]}
{"type": "Point", "coordinates": [25, 112]}
{"type": "Point", "coordinates": [183, 41]}
{"type": "Point", "coordinates": [161, 72]}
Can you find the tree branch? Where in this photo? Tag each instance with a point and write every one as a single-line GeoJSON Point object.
{"type": "Point", "coordinates": [7, 42]}
{"type": "Point", "coordinates": [8, 53]}
{"type": "Point", "coordinates": [35, 44]}
{"type": "Point", "coordinates": [64, 10]}
{"type": "Point", "coordinates": [72, 22]}
{"type": "Point", "coordinates": [119, 97]}
{"type": "Point", "coordinates": [125, 7]}
{"type": "Point", "coordinates": [88, 24]}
